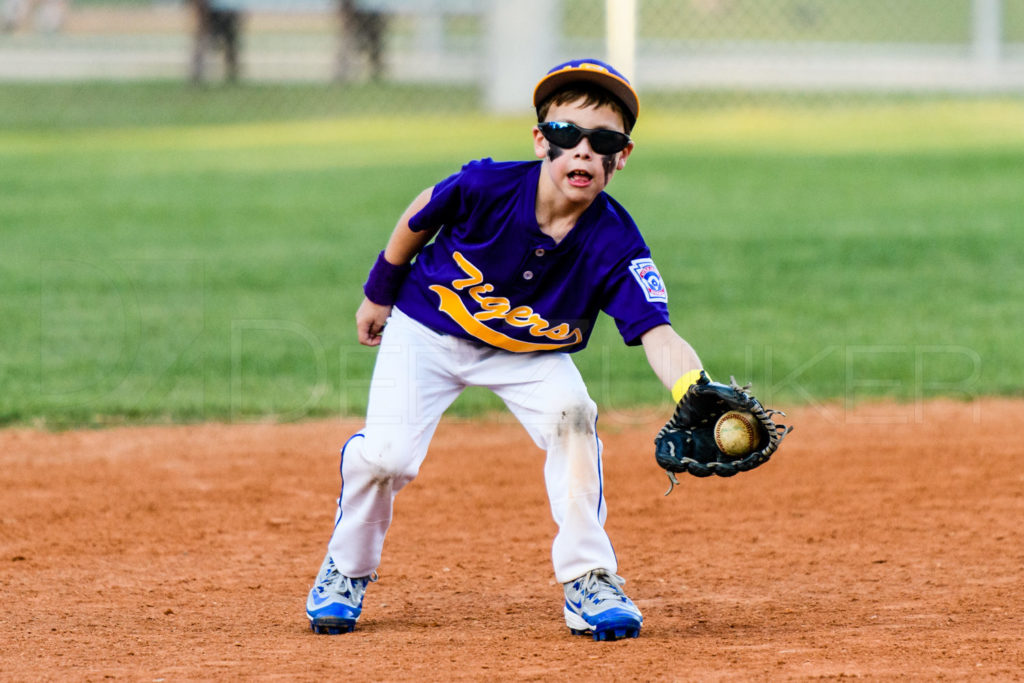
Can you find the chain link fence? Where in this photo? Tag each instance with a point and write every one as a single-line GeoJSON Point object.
{"type": "Point", "coordinates": [438, 55]}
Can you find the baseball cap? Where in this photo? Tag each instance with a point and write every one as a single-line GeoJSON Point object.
{"type": "Point", "coordinates": [590, 71]}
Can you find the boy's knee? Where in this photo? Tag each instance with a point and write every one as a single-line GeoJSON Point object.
{"type": "Point", "coordinates": [388, 465]}
{"type": "Point", "coordinates": [383, 477]}
{"type": "Point", "coordinates": [578, 417]}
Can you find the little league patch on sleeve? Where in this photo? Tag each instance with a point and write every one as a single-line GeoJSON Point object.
{"type": "Point", "coordinates": [646, 273]}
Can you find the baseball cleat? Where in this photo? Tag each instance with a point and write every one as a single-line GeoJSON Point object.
{"type": "Point", "coordinates": [596, 605]}
{"type": "Point", "coordinates": [335, 601]}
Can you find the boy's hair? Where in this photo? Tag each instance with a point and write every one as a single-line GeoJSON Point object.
{"type": "Point", "coordinates": [592, 96]}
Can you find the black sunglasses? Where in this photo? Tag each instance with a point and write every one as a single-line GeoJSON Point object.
{"type": "Point", "coordinates": [567, 135]}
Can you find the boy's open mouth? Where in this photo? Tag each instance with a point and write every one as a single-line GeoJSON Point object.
{"type": "Point", "coordinates": [579, 178]}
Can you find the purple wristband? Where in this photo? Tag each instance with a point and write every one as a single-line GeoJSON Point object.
{"type": "Point", "coordinates": [384, 281]}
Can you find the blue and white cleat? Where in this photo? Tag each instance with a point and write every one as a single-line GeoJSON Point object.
{"type": "Point", "coordinates": [595, 604]}
{"type": "Point", "coordinates": [335, 601]}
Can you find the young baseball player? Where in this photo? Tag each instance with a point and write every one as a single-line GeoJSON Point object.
{"type": "Point", "coordinates": [494, 277]}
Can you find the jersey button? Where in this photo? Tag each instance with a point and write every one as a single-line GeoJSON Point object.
{"type": "Point", "coordinates": [538, 252]}
{"type": "Point", "coordinates": [528, 275]}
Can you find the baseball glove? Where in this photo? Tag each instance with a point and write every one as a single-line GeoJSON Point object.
{"type": "Point", "coordinates": [687, 441]}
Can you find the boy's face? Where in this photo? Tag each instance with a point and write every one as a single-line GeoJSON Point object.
{"type": "Point", "coordinates": [580, 173]}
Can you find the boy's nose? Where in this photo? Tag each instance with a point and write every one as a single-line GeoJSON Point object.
{"type": "Point", "coordinates": [583, 147]}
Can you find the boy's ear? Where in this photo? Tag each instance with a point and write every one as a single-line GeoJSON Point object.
{"type": "Point", "coordinates": [540, 145]}
{"type": "Point", "coordinates": [623, 155]}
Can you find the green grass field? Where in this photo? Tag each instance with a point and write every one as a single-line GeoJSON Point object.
{"type": "Point", "coordinates": [210, 269]}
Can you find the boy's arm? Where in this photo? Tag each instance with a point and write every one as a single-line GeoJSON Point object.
{"type": "Point", "coordinates": [405, 243]}
{"type": "Point", "coordinates": [402, 246]}
{"type": "Point", "coordinates": [671, 357]}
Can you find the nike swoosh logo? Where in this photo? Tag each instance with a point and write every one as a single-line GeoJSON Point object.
{"type": "Point", "coordinates": [318, 600]}
{"type": "Point", "coordinates": [574, 604]}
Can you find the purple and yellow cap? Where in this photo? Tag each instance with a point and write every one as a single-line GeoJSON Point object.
{"type": "Point", "coordinates": [590, 71]}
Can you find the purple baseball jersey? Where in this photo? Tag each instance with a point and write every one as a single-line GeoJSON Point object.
{"type": "Point", "coordinates": [492, 276]}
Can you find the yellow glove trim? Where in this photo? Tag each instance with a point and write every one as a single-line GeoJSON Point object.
{"type": "Point", "coordinates": [684, 383]}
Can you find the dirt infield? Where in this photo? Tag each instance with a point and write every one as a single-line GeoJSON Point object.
{"type": "Point", "coordinates": [883, 542]}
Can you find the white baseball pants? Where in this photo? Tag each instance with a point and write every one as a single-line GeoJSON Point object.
{"type": "Point", "coordinates": [418, 374]}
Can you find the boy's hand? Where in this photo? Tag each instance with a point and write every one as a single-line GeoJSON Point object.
{"type": "Point", "coordinates": [370, 321]}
